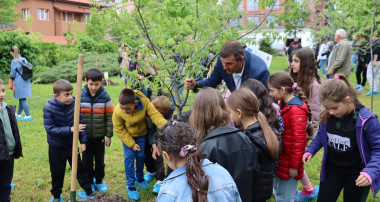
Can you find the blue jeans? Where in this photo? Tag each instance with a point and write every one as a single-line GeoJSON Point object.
{"type": "Point", "coordinates": [322, 64]}
{"type": "Point", "coordinates": [23, 105]}
{"type": "Point", "coordinates": [285, 190]}
{"type": "Point", "coordinates": [129, 162]}
{"type": "Point", "coordinates": [354, 59]}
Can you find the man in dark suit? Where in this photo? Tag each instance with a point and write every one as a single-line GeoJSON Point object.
{"type": "Point", "coordinates": [234, 66]}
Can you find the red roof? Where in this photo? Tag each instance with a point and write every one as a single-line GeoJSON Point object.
{"type": "Point", "coordinates": [87, 2]}
{"type": "Point", "coordinates": [56, 39]}
{"type": "Point", "coordinates": [73, 10]}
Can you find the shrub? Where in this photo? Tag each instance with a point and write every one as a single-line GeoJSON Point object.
{"type": "Point", "coordinates": [266, 46]}
{"type": "Point", "coordinates": [68, 70]}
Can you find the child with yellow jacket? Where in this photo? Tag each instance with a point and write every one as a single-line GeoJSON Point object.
{"type": "Point", "coordinates": [129, 124]}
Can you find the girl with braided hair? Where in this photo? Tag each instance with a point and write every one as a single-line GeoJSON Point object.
{"type": "Point", "coordinates": [305, 72]}
{"type": "Point", "coordinates": [194, 178]}
{"type": "Point", "coordinates": [297, 117]}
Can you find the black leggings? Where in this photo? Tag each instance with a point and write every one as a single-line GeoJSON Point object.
{"type": "Point", "coordinates": [361, 70]}
{"type": "Point", "coordinates": [329, 191]}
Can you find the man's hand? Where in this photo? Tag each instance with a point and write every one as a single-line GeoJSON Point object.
{"type": "Point", "coordinates": [190, 84]}
{"type": "Point", "coordinates": [136, 147]}
{"type": "Point", "coordinates": [330, 72]}
{"type": "Point", "coordinates": [374, 64]}
{"type": "Point", "coordinates": [155, 152]}
{"type": "Point", "coordinates": [362, 181]}
{"type": "Point", "coordinates": [82, 148]}
{"type": "Point", "coordinates": [81, 128]}
{"type": "Point", "coordinates": [293, 172]}
{"type": "Point", "coordinates": [108, 141]}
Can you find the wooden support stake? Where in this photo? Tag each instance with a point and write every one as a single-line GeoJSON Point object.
{"type": "Point", "coordinates": [74, 163]}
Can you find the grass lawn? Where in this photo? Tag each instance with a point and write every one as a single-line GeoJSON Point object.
{"type": "Point", "coordinates": [32, 173]}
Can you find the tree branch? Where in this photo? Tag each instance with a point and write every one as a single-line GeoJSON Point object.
{"type": "Point", "coordinates": [257, 26]}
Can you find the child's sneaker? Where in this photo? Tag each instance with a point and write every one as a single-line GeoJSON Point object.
{"type": "Point", "coordinates": [19, 117]}
{"type": "Point", "coordinates": [357, 87]}
{"type": "Point", "coordinates": [83, 195]}
{"type": "Point", "coordinates": [305, 195]}
{"type": "Point", "coordinates": [27, 118]}
{"type": "Point", "coordinates": [60, 199]}
{"type": "Point", "coordinates": [101, 187]}
{"type": "Point", "coordinates": [12, 186]}
{"type": "Point", "coordinates": [157, 186]}
{"type": "Point", "coordinates": [149, 176]}
{"type": "Point", "coordinates": [133, 194]}
{"type": "Point", "coordinates": [143, 184]}
{"type": "Point", "coordinates": [361, 88]}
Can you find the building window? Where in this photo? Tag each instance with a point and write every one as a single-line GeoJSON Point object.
{"type": "Point", "coordinates": [252, 21]}
{"type": "Point", "coordinates": [87, 16]}
{"type": "Point", "coordinates": [253, 5]}
{"type": "Point", "coordinates": [26, 13]}
{"type": "Point", "coordinates": [276, 5]}
{"type": "Point", "coordinates": [67, 17]}
{"type": "Point", "coordinates": [270, 20]}
{"type": "Point", "coordinates": [43, 14]}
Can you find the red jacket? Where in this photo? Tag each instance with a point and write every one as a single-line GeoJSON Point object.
{"type": "Point", "coordinates": [294, 138]}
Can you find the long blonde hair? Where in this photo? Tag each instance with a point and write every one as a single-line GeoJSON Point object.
{"type": "Point", "coordinates": [244, 100]}
{"type": "Point", "coordinates": [15, 52]}
{"type": "Point", "coordinates": [209, 112]}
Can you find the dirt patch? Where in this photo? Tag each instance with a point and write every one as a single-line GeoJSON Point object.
{"type": "Point", "coordinates": [110, 83]}
{"type": "Point", "coordinates": [104, 197]}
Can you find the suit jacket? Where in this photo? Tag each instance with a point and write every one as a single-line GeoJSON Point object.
{"type": "Point", "coordinates": [341, 59]}
{"type": "Point", "coordinates": [255, 68]}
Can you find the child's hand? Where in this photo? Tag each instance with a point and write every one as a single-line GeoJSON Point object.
{"type": "Point", "coordinates": [362, 181]}
{"type": "Point", "coordinates": [306, 158]}
{"type": "Point", "coordinates": [108, 141]}
{"type": "Point", "coordinates": [293, 172]}
{"type": "Point", "coordinates": [136, 147]}
{"type": "Point", "coordinates": [155, 152]}
{"type": "Point", "coordinates": [81, 128]}
{"type": "Point", "coordinates": [82, 148]}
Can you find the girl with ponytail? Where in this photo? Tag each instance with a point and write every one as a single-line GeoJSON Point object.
{"type": "Point", "coordinates": [297, 120]}
{"type": "Point", "coordinates": [194, 178]}
{"type": "Point", "coordinates": [244, 110]}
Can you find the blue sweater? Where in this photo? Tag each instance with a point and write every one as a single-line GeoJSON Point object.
{"type": "Point", "coordinates": [254, 68]}
{"type": "Point", "coordinates": [58, 120]}
{"type": "Point", "coordinates": [368, 139]}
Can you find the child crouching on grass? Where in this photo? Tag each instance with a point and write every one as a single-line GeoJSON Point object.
{"type": "Point", "coordinates": [10, 145]}
{"type": "Point", "coordinates": [59, 121]}
{"type": "Point", "coordinates": [154, 162]}
{"type": "Point", "coordinates": [350, 136]}
{"type": "Point", "coordinates": [129, 123]}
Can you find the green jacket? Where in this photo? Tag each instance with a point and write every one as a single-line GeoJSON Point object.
{"type": "Point", "coordinates": [341, 59]}
{"type": "Point", "coordinates": [97, 113]}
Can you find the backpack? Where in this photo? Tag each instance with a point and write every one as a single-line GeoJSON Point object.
{"type": "Point", "coordinates": [27, 70]}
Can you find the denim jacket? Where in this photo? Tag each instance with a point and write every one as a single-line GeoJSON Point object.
{"type": "Point", "coordinates": [221, 185]}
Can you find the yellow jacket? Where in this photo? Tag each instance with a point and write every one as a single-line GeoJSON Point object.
{"type": "Point", "coordinates": [128, 126]}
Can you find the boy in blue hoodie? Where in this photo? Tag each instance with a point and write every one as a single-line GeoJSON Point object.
{"type": "Point", "coordinates": [59, 121]}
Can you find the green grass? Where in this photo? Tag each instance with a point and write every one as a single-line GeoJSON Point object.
{"type": "Point", "coordinates": [32, 173]}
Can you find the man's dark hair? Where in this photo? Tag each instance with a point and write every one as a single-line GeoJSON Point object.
{"type": "Point", "coordinates": [127, 96]}
{"type": "Point", "coordinates": [95, 74]}
{"type": "Point", "coordinates": [232, 48]}
{"type": "Point", "coordinates": [61, 85]}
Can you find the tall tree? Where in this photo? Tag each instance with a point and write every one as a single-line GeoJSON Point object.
{"type": "Point", "coordinates": [295, 16]}
{"type": "Point", "coordinates": [8, 13]}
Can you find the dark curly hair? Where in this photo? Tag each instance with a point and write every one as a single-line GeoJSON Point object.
{"type": "Point", "coordinates": [172, 137]}
{"type": "Point", "coordinates": [308, 70]}
{"type": "Point", "coordinates": [265, 101]}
